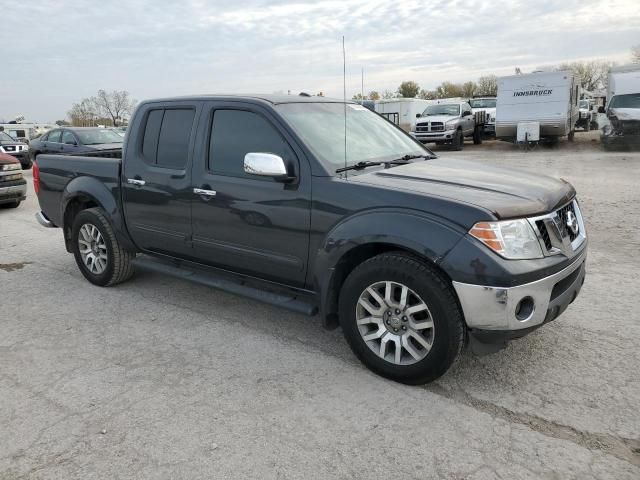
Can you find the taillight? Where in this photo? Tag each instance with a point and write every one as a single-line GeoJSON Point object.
{"type": "Point", "coordinates": [36, 177]}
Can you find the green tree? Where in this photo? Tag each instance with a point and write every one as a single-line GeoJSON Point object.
{"type": "Point", "coordinates": [408, 89]}
{"type": "Point", "coordinates": [373, 95]}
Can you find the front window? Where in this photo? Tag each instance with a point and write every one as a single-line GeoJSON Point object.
{"type": "Point", "coordinates": [98, 136]}
{"type": "Point", "coordinates": [483, 103]}
{"type": "Point", "coordinates": [631, 100]}
{"type": "Point", "coordinates": [6, 138]}
{"type": "Point", "coordinates": [369, 137]}
{"type": "Point", "coordinates": [443, 109]}
{"type": "Point", "coordinates": [584, 104]}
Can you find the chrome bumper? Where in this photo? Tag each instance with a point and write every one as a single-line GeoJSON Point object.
{"type": "Point", "coordinates": [443, 136]}
{"type": "Point", "coordinates": [497, 308]}
{"type": "Point", "coordinates": [44, 221]}
{"type": "Point", "coordinates": [14, 190]}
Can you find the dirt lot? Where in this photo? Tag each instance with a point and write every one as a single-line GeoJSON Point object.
{"type": "Point", "coordinates": [159, 378]}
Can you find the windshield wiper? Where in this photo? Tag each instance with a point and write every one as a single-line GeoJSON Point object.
{"type": "Point", "coordinates": [387, 163]}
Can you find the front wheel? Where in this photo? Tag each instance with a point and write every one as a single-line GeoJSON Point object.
{"type": "Point", "coordinates": [401, 318]}
{"type": "Point", "coordinates": [99, 255]}
{"type": "Point", "coordinates": [458, 141]}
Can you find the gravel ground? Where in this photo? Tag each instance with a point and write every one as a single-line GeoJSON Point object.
{"type": "Point", "coordinates": [159, 378]}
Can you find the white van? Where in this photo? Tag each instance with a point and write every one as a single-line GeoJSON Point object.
{"type": "Point", "coordinates": [549, 99]}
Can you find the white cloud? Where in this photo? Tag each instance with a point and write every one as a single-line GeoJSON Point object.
{"type": "Point", "coordinates": [59, 52]}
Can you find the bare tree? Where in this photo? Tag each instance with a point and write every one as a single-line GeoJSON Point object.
{"type": "Point", "coordinates": [592, 74]}
{"type": "Point", "coordinates": [83, 114]}
{"type": "Point", "coordinates": [427, 94]}
{"type": "Point", "coordinates": [387, 94]}
{"type": "Point", "coordinates": [408, 89]}
{"type": "Point", "coordinates": [487, 85]}
{"type": "Point", "coordinates": [115, 104]}
{"type": "Point", "coordinates": [469, 89]}
{"type": "Point", "coordinates": [635, 53]}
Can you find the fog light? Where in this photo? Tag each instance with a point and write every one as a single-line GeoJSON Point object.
{"type": "Point", "coordinates": [525, 308]}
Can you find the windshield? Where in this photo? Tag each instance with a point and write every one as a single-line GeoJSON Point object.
{"type": "Point", "coordinates": [483, 103]}
{"type": "Point", "coordinates": [98, 136]}
{"type": "Point", "coordinates": [631, 100]}
{"type": "Point", "coordinates": [6, 138]}
{"type": "Point", "coordinates": [444, 109]}
{"type": "Point", "coordinates": [584, 104]}
{"type": "Point", "coordinates": [369, 136]}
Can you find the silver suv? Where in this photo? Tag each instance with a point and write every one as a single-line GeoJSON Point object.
{"type": "Point", "coordinates": [446, 123]}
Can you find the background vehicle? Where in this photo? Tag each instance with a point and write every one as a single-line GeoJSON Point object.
{"type": "Point", "coordinates": [16, 148]}
{"type": "Point", "coordinates": [76, 140]}
{"type": "Point", "coordinates": [623, 107]}
{"type": "Point", "coordinates": [22, 132]}
{"type": "Point", "coordinates": [409, 254]}
{"type": "Point", "coordinates": [487, 105]}
{"type": "Point", "coordinates": [548, 98]}
{"type": "Point", "coordinates": [448, 122]}
{"type": "Point", "coordinates": [401, 111]}
{"type": "Point", "coordinates": [13, 187]}
{"type": "Point", "coordinates": [586, 116]}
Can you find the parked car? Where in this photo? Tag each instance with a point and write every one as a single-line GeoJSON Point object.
{"type": "Point", "coordinates": [487, 105]}
{"type": "Point", "coordinates": [447, 123]}
{"type": "Point", "coordinates": [76, 140]}
{"type": "Point", "coordinates": [13, 187]}
{"type": "Point", "coordinates": [16, 148]}
{"type": "Point", "coordinates": [586, 115]}
{"type": "Point", "coordinates": [410, 254]}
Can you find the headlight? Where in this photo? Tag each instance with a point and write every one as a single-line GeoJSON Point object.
{"type": "Point", "coordinates": [451, 124]}
{"type": "Point", "coordinates": [512, 239]}
{"type": "Point", "coordinates": [10, 166]}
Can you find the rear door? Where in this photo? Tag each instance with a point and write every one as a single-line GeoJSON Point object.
{"type": "Point", "coordinates": [251, 224]}
{"type": "Point", "coordinates": [156, 181]}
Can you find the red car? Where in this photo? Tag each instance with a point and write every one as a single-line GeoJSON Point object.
{"type": "Point", "coordinates": [13, 188]}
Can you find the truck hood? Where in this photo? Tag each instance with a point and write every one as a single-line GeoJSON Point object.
{"type": "Point", "coordinates": [505, 192]}
{"type": "Point", "coordinates": [435, 118]}
{"type": "Point", "coordinates": [625, 113]}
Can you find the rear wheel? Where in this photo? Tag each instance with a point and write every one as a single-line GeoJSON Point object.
{"type": "Point", "coordinates": [99, 255]}
{"type": "Point", "coordinates": [458, 141]}
{"type": "Point", "coordinates": [401, 318]}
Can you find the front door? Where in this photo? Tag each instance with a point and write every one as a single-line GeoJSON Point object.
{"type": "Point", "coordinates": [247, 223]}
{"type": "Point", "coordinates": [157, 177]}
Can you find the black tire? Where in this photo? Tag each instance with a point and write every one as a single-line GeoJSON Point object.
{"type": "Point", "coordinates": [27, 164]}
{"type": "Point", "coordinates": [15, 204]}
{"type": "Point", "coordinates": [587, 126]}
{"type": "Point", "coordinates": [571, 135]}
{"type": "Point", "coordinates": [477, 135]}
{"type": "Point", "coordinates": [457, 143]}
{"type": "Point", "coordinates": [434, 290]}
{"type": "Point", "coordinates": [119, 267]}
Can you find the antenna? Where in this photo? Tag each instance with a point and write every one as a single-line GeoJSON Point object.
{"type": "Point", "coordinates": [344, 96]}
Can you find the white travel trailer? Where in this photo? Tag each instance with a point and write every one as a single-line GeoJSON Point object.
{"type": "Point", "coordinates": [546, 99]}
{"type": "Point", "coordinates": [401, 111]}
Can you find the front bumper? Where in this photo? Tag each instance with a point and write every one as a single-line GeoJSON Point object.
{"type": "Point", "coordinates": [426, 137]}
{"type": "Point", "coordinates": [510, 312]}
{"type": "Point", "coordinates": [16, 191]}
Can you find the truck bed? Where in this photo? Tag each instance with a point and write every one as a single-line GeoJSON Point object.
{"type": "Point", "coordinates": [61, 174]}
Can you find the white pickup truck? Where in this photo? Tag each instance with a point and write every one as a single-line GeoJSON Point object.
{"type": "Point", "coordinates": [488, 106]}
{"type": "Point", "coordinates": [447, 123]}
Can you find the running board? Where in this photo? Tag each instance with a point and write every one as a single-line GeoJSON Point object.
{"type": "Point", "coordinates": [230, 283]}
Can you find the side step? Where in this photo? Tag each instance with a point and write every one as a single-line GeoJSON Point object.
{"type": "Point", "coordinates": [228, 282]}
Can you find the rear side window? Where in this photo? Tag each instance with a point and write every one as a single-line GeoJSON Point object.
{"type": "Point", "coordinates": [54, 136]}
{"type": "Point", "coordinates": [166, 137]}
{"type": "Point", "coordinates": [234, 134]}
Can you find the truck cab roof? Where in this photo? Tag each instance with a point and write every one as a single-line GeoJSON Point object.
{"type": "Point", "coordinates": [273, 99]}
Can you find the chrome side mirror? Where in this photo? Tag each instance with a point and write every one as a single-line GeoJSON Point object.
{"type": "Point", "coordinates": [265, 165]}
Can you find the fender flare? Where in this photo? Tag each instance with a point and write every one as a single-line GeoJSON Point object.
{"type": "Point", "coordinates": [97, 192]}
{"type": "Point", "coordinates": [426, 236]}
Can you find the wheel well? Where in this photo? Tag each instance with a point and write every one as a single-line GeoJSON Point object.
{"type": "Point", "coordinates": [74, 207]}
{"type": "Point", "coordinates": [352, 259]}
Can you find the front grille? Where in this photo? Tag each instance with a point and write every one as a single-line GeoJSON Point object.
{"type": "Point", "coordinates": [422, 127]}
{"type": "Point", "coordinates": [10, 178]}
{"type": "Point", "coordinates": [561, 231]}
{"type": "Point", "coordinates": [9, 148]}
{"type": "Point", "coordinates": [437, 127]}
{"type": "Point", "coordinates": [544, 233]}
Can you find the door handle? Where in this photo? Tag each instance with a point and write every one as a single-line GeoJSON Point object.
{"type": "Point", "coordinates": [201, 191]}
{"type": "Point", "coordinates": [134, 181]}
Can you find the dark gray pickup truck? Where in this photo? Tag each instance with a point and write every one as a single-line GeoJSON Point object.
{"type": "Point", "coordinates": [314, 204]}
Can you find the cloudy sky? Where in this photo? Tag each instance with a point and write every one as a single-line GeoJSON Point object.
{"type": "Point", "coordinates": [57, 52]}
